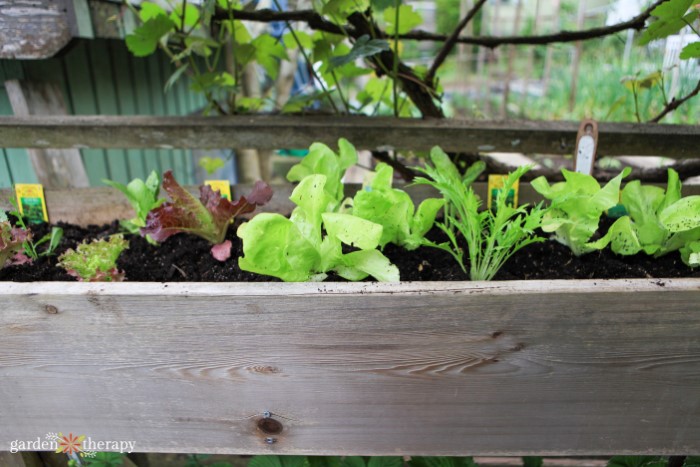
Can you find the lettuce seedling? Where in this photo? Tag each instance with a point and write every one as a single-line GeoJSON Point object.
{"type": "Point", "coordinates": [309, 244]}
{"type": "Point", "coordinates": [658, 221]}
{"type": "Point", "coordinates": [321, 160]}
{"type": "Point", "coordinates": [576, 206]}
{"type": "Point", "coordinates": [12, 240]}
{"type": "Point", "coordinates": [95, 261]}
{"type": "Point", "coordinates": [143, 197]}
{"type": "Point", "coordinates": [492, 237]}
{"type": "Point", "coordinates": [208, 217]}
{"type": "Point", "coordinates": [394, 210]}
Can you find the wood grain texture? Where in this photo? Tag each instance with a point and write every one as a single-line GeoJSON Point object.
{"type": "Point", "coordinates": [55, 168]}
{"type": "Point", "coordinates": [555, 368]}
{"type": "Point", "coordinates": [273, 132]}
{"type": "Point", "coordinates": [34, 29]}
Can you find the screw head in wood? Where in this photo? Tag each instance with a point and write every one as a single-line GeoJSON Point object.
{"type": "Point", "coordinates": [270, 440]}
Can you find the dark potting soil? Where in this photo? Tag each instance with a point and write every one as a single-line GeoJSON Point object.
{"type": "Point", "coordinates": [187, 258]}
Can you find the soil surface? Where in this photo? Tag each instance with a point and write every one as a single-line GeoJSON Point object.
{"type": "Point", "coordinates": [187, 258]}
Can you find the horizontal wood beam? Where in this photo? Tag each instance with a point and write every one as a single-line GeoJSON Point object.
{"type": "Point", "coordinates": [272, 132]}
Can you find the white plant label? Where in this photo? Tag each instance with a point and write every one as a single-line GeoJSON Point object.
{"type": "Point", "coordinates": [584, 155]}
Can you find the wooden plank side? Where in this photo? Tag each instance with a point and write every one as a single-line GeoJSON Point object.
{"type": "Point", "coordinates": [270, 132]}
{"type": "Point", "coordinates": [375, 369]}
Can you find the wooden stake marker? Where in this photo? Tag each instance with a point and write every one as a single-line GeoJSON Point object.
{"type": "Point", "coordinates": [586, 144]}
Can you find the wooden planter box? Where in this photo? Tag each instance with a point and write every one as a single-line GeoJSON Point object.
{"type": "Point", "coordinates": [511, 368]}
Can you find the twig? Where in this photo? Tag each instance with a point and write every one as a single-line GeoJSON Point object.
{"type": "Point", "coordinates": [421, 94]}
{"type": "Point", "coordinates": [395, 69]}
{"type": "Point", "coordinates": [317, 22]}
{"type": "Point", "coordinates": [406, 173]}
{"type": "Point", "coordinates": [265, 15]}
{"type": "Point", "coordinates": [451, 41]}
{"type": "Point", "coordinates": [308, 61]}
{"type": "Point", "coordinates": [675, 103]}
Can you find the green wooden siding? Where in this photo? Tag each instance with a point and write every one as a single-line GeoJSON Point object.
{"type": "Point", "coordinates": [100, 77]}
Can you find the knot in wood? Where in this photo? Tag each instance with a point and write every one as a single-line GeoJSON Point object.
{"type": "Point", "coordinates": [270, 426]}
{"type": "Point", "coordinates": [50, 309]}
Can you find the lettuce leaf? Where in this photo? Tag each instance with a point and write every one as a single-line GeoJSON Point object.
{"type": "Point", "coordinates": [657, 223]}
{"type": "Point", "coordinates": [95, 261]}
{"type": "Point", "coordinates": [310, 243]}
{"type": "Point", "coordinates": [207, 217]}
{"type": "Point", "coordinates": [143, 197]}
{"type": "Point", "coordinates": [11, 240]}
{"type": "Point", "coordinates": [321, 160]}
{"type": "Point", "coordinates": [394, 210]}
{"type": "Point", "coordinates": [576, 206]}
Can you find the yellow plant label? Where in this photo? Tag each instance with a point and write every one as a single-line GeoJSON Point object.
{"type": "Point", "coordinates": [31, 202]}
{"type": "Point", "coordinates": [222, 186]}
{"type": "Point", "coordinates": [495, 189]}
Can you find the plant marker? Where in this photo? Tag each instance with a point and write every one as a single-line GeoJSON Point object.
{"type": "Point", "coordinates": [222, 186]}
{"type": "Point", "coordinates": [495, 188]}
{"type": "Point", "coordinates": [31, 202]}
{"type": "Point", "coordinates": [586, 144]}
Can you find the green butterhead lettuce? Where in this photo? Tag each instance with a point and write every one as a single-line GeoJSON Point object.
{"type": "Point", "coordinates": [394, 210]}
{"type": "Point", "coordinates": [576, 206]}
{"type": "Point", "coordinates": [309, 244]}
{"type": "Point", "coordinates": [321, 160]}
{"type": "Point", "coordinates": [143, 197]}
{"type": "Point", "coordinates": [658, 223]}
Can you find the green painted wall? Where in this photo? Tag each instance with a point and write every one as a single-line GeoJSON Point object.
{"type": "Point", "coordinates": [101, 77]}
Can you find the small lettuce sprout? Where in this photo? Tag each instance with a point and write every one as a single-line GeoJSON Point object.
{"type": "Point", "coordinates": [491, 237]}
{"type": "Point", "coordinates": [95, 261]}
{"type": "Point", "coordinates": [394, 210]}
{"type": "Point", "coordinates": [12, 240]}
{"type": "Point", "coordinates": [208, 217]}
{"type": "Point", "coordinates": [576, 206]}
{"type": "Point", "coordinates": [658, 222]}
{"type": "Point", "coordinates": [321, 160]}
{"type": "Point", "coordinates": [143, 197]}
{"type": "Point", "coordinates": [309, 244]}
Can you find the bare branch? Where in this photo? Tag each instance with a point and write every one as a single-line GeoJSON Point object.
{"type": "Point", "coordinates": [265, 15]}
{"type": "Point", "coordinates": [451, 41]}
{"type": "Point", "coordinates": [317, 22]}
{"type": "Point", "coordinates": [638, 22]}
{"type": "Point", "coordinates": [675, 103]}
{"type": "Point", "coordinates": [421, 94]}
{"type": "Point", "coordinates": [406, 173]}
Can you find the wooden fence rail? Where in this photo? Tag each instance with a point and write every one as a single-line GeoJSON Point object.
{"type": "Point", "coordinates": [271, 132]}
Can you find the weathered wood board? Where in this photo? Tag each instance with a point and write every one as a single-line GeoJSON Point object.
{"type": "Point", "coordinates": [274, 132]}
{"type": "Point", "coordinates": [34, 29]}
{"type": "Point", "coordinates": [55, 168]}
{"type": "Point", "coordinates": [516, 368]}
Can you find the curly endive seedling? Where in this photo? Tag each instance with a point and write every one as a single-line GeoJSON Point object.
{"type": "Point", "coordinates": [95, 261]}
